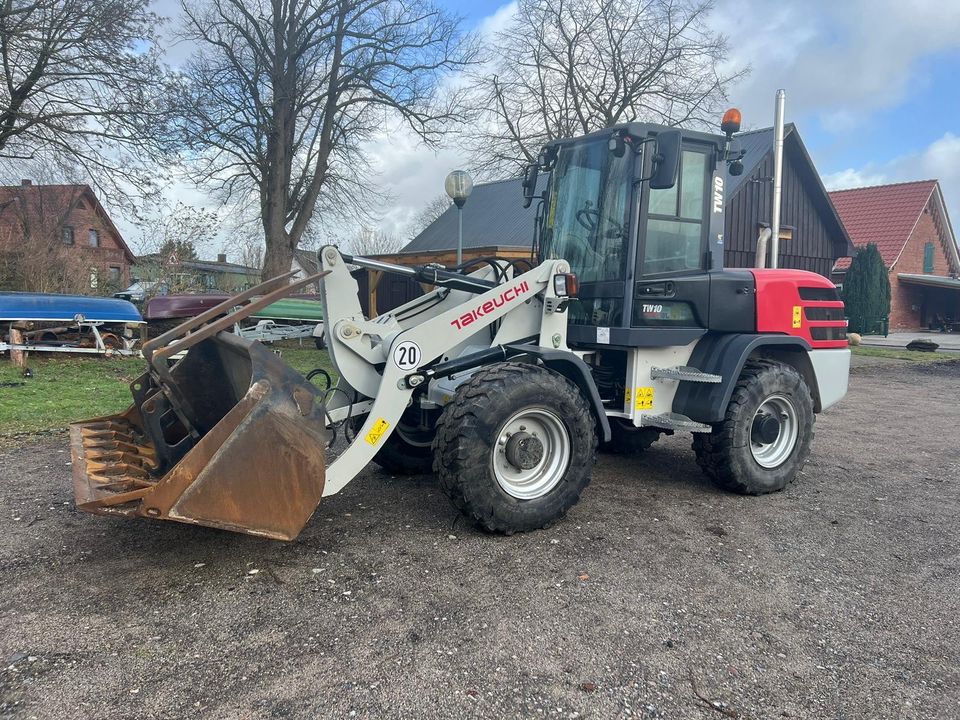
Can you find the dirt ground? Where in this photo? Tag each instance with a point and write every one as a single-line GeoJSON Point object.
{"type": "Point", "coordinates": [657, 597]}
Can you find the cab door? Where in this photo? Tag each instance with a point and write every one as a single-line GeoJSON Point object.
{"type": "Point", "coordinates": [672, 282]}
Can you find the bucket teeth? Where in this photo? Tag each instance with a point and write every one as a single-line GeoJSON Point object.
{"type": "Point", "coordinates": [114, 446]}
{"type": "Point", "coordinates": [116, 458]}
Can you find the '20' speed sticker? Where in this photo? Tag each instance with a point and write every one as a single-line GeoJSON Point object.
{"type": "Point", "coordinates": [407, 355]}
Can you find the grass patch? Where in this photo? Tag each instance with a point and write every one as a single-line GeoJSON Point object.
{"type": "Point", "coordinates": [902, 354]}
{"type": "Point", "coordinates": [66, 389]}
{"type": "Point", "coordinates": [63, 389]}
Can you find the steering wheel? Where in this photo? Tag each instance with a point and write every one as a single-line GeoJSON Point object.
{"type": "Point", "coordinates": [588, 218]}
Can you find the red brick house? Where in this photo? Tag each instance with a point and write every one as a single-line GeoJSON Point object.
{"type": "Point", "coordinates": [909, 224]}
{"type": "Point", "coordinates": [59, 238]}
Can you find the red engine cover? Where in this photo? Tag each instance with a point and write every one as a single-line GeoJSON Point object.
{"type": "Point", "coordinates": [800, 303]}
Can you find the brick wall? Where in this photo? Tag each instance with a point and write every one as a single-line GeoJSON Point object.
{"type": "Point", "coordinates": [906, 301]}
{"type": "Point", "coordinates": [35, 258]}
{"type": "Point", "coordinates": [85, 218]}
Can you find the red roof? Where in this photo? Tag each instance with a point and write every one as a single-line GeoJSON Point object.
{"type": "Point", "coordinates": [883, 214]}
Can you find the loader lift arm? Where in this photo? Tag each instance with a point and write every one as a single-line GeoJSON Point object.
{"type": "Point", "coordinates": [386, 360]}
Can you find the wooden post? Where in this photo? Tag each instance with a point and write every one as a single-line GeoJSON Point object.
{"type": "Point", "coordinates": [373, 279]}
{"type": "Point", "coordinates": [19, 357]}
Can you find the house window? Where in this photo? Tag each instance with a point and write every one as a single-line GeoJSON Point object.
{"type": "Point", "coordinates": [928, 257]}
{"type": "Point", "coordinates": [94, 238]}
{"type": "Point", "coordinates": [67, 235]}
{"type": "Point", "coordinates": [114, 274]}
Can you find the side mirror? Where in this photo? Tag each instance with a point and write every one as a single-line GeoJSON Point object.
{"type": "Point", "coordinates": [666, 160]}
{"type": "Point", "coordinates": [617, 146]}
{"type": "Point", "coordinates": [530, 183]}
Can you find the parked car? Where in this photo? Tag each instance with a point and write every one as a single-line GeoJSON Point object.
{"type": "Point", "coordinates": [141, 289]}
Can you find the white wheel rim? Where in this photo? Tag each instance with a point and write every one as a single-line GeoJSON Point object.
{"type": "Point", "coordinates": [533, 429]}
{"type": "Point", "coordinates": [773, 454]}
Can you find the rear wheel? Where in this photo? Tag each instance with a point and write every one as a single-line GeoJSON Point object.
{"type": "Point", "coordinates": [764, 439]}
{"type": "Point", "coordinates": [515, 447]}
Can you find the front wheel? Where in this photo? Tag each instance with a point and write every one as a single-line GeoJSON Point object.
{"type": "Point", "coordinates": [764, 439]}
{"type": "Point", "coordinates": [515, 447]}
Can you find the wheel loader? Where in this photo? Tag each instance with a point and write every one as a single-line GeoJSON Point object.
{"type": "Point", "coordinates": [504, 378]}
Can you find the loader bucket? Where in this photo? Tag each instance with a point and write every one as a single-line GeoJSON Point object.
{"type": "Point", "coordinates": [229, 436]}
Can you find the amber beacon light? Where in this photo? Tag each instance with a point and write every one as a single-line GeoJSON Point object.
{"type": "Point", "coordinates": [731, 122]}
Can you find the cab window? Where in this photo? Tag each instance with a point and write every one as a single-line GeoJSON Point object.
{"type": "Point", "coordinates": [675, 219]}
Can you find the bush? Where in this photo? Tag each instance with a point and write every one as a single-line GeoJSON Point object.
{"type": "Point", "coordinates": [866, 290]}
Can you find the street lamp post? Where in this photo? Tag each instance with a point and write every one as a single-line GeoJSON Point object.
{"type": "Point", "coordinates": [459, 185]}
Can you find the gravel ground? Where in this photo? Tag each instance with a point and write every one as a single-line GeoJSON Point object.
{"type": "Point", "coordinates": [657, 597]}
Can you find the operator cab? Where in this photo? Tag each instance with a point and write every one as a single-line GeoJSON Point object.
{"type": "Point", "coordinates": [637, 211]}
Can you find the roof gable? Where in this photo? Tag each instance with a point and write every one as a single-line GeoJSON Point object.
{"type": "Point", "coordinates": [62, 199]}
{"type": "Point", "coordinates": [758, 144]}
{"type": "Point", "coordinates": [882, 214]}
{"type": "Point", "coordinates": [493, 216]}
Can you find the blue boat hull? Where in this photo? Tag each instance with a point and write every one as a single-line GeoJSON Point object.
{"type": "Point", "coordinates": [15, 306]}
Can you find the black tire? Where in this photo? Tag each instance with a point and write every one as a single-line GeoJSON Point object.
{"type": "Point", "coordinates": [320, 342]}
{"type": "Point", "coordinates": [468, 435]}
{"type": "Point", "coordinates": [628, 439]}
{"type": "Point", "coordinates": [407, 451]}
{"type": "Point", "coordinates": [727, 455]}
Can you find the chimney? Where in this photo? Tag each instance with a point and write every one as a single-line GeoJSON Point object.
{"type": "Point", "coordinates": [26, 183]}
{"type": "Point", "coordinates": [222, 257]}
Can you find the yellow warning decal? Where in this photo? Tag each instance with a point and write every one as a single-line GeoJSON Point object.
{"type": "Point", "coordinates": [379, 428]}
{"type": "Point", "coordinates": [626, 399]}
{"type": "Point", "coordinates": [644, 398]}
{"type": "Point", "coordinates": [797, 316]}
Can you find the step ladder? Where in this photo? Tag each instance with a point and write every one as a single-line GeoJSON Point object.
{"type": "Point", "coordinates": [674, 421]}
{"type": "Point", "coordinates": [683, 373]}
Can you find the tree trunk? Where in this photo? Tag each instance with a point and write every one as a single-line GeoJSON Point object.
{"type": "Point", "coordinates": [279, 255]}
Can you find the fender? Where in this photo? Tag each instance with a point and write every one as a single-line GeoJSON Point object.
{"type": "Point", "coordinates": [577, 371]}
{"type": "Point", "coordinates": [725, 355]}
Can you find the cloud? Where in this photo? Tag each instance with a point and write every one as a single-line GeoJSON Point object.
{"type": "Point", "coordinates": [839, 61]}
{"type": "Point", "coordinates": [940, 160]}
{"type": "Point", "coordinates": [850, 178]}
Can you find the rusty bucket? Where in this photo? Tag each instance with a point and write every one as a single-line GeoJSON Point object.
{"type": "Point", "coordinates": [227, 436]}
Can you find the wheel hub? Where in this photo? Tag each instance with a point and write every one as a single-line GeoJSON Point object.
{"type": "Point", "coordinates": [524, 450]}
{"type": "Point", "coordinates": [765, 429]}
{"type": "Point", "coordinates": [774, 432]}
{"type": "Point", "coordinates": [531, 454]}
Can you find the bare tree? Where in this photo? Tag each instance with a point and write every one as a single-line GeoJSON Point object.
{"type": "Point", "coordinates": [82, 86]}
{"type": "Point", "coordinates": [179, 229]}
{"type": "Point", "coordinates": [434, 208]}
{"type": "Point", "coordinates": [569, 67]}
{"type": "Point", "coordinates": [370, 241]}
{"type": "Point", "coordinates": [282, 95]}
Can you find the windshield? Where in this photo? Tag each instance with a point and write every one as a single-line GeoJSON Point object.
{"type": "Point", "coordinates": [587, 217]}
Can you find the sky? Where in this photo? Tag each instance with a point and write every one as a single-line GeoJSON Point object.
{"type": "Point", "coordinates": [873, 86]}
